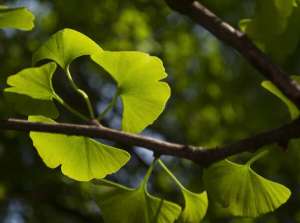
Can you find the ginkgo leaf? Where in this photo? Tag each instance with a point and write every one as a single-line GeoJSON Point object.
{"type": "Point", "coordinates": [294, 111]}
{"type": "Point", "coordinates": [34, 82]}
{"type": "Point", "coordinates": [26, 105]}
{"type": "Point", "coordinates": [81, 158]}
{"type": "Point", "coordinates": [138, 77]}
{"type": "Point", "coordinates": [65, 46]}
{"type": "Point", "coordinates": [242, 191]}
{"type": "Point", "coordinates": [18, 18]}
{"type": "Point", "coordinates": [31, 91]}
{"type": "Point", "coordinates": [122, 204]}
{"type": "Point", "coordinates": [195, 204]}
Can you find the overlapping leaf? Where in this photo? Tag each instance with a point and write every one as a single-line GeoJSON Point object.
{"type": "Point", "coordinates": [65, 46]}
{"type": "Point", "coordinates": [127, 205]}
{"type": "Point", "coordinates": [294, 111]}
{"type": "Point", "coordinates": [274, 27]}
{"type": "Point", "coordinates": [81, 158]}
{"type": "Point", "coordinates": [241, 191]}
{"type": "Point", "coordinates": [138, 77]}
{"type": "Point", "coordinates": [31, 91]}
{"type": "Point", "coordinates": [195, 204]}
{"type": "Point", "coordinates": [18, 18]}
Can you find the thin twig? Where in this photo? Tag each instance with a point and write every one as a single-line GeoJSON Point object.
{"type": "Point", "coordinates": [201, 155]}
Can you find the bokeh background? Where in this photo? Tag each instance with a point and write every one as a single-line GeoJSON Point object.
{"type": "Point", "coordinates": [216, 99]}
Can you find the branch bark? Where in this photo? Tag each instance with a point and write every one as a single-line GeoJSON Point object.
{"type": "Point", "coordinates": [240, 42]}
{"type": "Point", "coordinates": [200, 155]}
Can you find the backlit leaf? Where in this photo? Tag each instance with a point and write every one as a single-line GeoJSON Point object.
{"type": "Point", "coordinates": [65, 46]}
{"type": "Point", "coordinates": [18, 18]}
{"type": "Point", "coordinates": [138, 76]}
{"type": "Point", "coordinates": [81, 158]}
{"type": "Point", "coordinates": [31, 91]}
{"type": "Point", "coordinates": [122, 204]}
{"type": "Point", "coordinates": [242, 191]}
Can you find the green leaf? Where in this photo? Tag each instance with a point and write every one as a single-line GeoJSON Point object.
{"type": "Point", "coordinates": [138, 77]}
{"type": "Point", "coordinates": [294, 111]}
{"type": "Point", "coordinates": [122, 204]}
{"type": "Point", "coordinates": [274, 27]}
{"type": "Point", "coordinates": [18, 18]}
{"type": "Point", "coordinates": [242, 191]}
{"type": "Point", "coordinates": [26, 105]}
{"type": "Point", "coordinates": [65, 46]}
{"type": "Point", "coordinates": [34, 82]}
{"type": "Point", "coordinates": [81, 158]}
{"type": "Point", "coordinates": [31, 91]}
{"type": "Point", "coordinates": [195, 204]}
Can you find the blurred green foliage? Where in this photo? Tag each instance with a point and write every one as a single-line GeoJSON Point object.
{"type": "Point", "coordinates": [216, 98]}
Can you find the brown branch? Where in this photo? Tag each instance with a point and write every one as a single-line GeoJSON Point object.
{"type": "Point", "coordinates": [239, 41]}
{"type": "Point", "coordinates": [200, 155]}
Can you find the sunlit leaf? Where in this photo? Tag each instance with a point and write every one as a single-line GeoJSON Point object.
{"type": "Point", "coordinates": [138, 77]}
{"type": "Point", "coordinates": [122, 204]}
{"type": "Point", "coordinates": [242, 191]}
{"type": "Point", "coordinates": [31, 91]}
{"type": "Point", "coordinates": [34, 82]}
{"type": "Point", "coordinates": [195, 206]}
{"type": "Point", "coordinates": [65, 46]}
{"type": "Point", "coordinates": [81, 158]}
{"type": "Point", "coordinates": [18, 18]}
{"type": "Point", "coordinates": [294, 111]}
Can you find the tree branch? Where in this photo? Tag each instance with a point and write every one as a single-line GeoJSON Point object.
{"type": "Point", "coordinates": [239, 41]}
{"type": "Point", "coordinates": [200, 155]}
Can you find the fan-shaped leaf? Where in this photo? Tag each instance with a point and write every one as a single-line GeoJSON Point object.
{"type": "Point", "coordinates": [65, 46]}
{"type": "Point", "coordinates": [81, 158]}
{"type": "Point", "coordinates": [126, 205]}
{"type": "Point", "coordinates": [31, 91]}
{"type": "Point", "coordinates": [195, 206]}
{"type": "Point", "coordinates": [242, 191]}
{"type": "Point", "coordinates": [18, 18]}
{"type": "Point", "coordinates": [294, 111]}
{"type": "Point", "coordinates": [138, 77]}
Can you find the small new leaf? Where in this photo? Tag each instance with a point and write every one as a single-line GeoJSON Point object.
{"type": "Point", "coordinates": [17, 18]}
{"type": "Point", "coordinates": [81, 158]}
{"type": "Point", "coordinates": [65, 46]}
{"type": "Point", "coordinates": [122, 204]}
{"type": "Point", "coordinates": [31, 91]}
{"type": "Point", "coordinates": [241, 191]}
{"type": "Point", "coordinates": [138, 76]}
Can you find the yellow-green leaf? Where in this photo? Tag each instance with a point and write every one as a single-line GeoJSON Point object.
{"type": "Point", "coordinates": [65, 46]}
{"type": "Point", "coordinates": [242, 191]}
{"type": "Point", "coordinates": [81, 158]}
{"type": "Point", "coordinates": [138, 76]}
{"type": "Point", "coordinates": [17, 18]}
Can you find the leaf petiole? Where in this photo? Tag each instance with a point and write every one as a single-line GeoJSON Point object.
{"type": "Point", "coordinates": [170, 174]}
{"type": "Point", "coordinates": [109, 106]}
{"type": "Point", "coordinates": [81, 92]}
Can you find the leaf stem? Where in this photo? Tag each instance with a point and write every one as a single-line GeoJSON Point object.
{"type": "Point", "coordinates": [68, 107]}
{"type": "Point", "coordinates": [148, 174]}
{"type": "Point", "coordinates": [170, 173]}
{"type": "Point", "coordinates": [109, 106]}
{"type": "Point", "coordinates": [257, 157]}
{"type": "Point", "coordinates": [81, 92]}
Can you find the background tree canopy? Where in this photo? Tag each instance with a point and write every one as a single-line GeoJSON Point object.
{"type": "Point", "coordinates": [216, 98]}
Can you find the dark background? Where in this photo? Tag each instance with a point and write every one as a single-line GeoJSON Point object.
{"type": "Point", "coordinates": [216, 98]}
